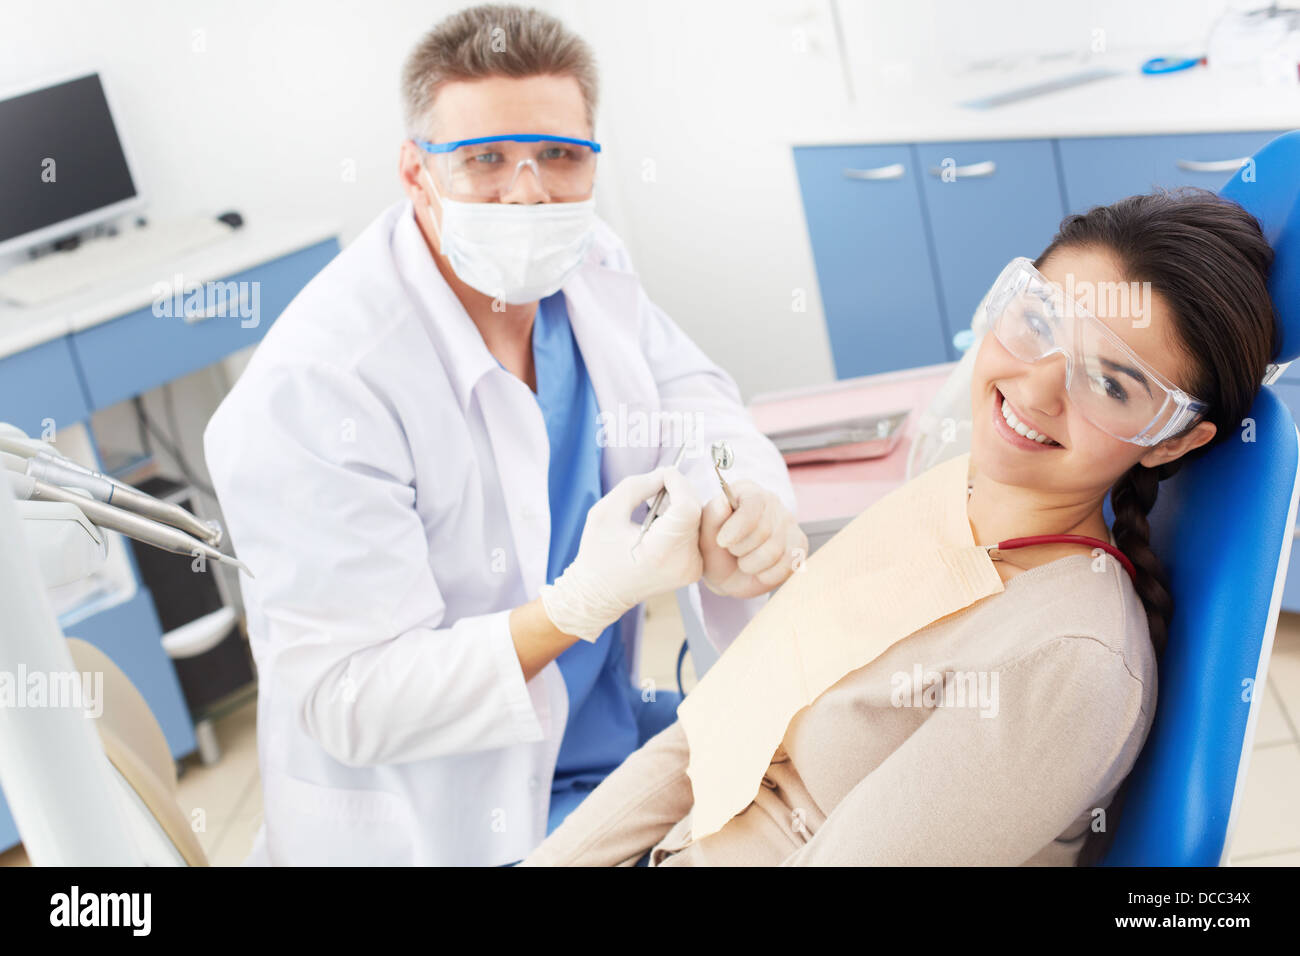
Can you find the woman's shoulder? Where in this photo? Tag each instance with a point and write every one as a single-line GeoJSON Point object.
{"type": "Point", "coordinates": [1081, 597]}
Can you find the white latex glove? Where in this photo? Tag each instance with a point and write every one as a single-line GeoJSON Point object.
{"type": "Point", "coordinates": [753, 550]}
{"type": "Point", "coordinates": [606, 579]}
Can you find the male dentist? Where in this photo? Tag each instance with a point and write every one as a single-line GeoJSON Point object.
{"type": "Point", "coordinates": [433, 465]}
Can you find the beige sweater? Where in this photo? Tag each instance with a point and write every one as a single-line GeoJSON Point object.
{"type": "Point", "coordinates": [990, 737]}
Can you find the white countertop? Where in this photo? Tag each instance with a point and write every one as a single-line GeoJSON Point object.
{"type": "Point", "coordinates": [261, 239]}
{"type": "Point", "coordinates": [1197, 100]}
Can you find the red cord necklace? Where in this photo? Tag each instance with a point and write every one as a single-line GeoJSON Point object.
{"type": "Point", "coordinates": [1012, 543]}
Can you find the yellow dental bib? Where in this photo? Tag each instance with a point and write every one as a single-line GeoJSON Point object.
{"type": "Point", "coordinates": [907, 561]}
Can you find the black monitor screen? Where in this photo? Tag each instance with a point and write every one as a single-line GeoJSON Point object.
{"type": "Point", "coordinates": [59, 156]}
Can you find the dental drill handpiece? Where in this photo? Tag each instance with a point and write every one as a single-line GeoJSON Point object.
{"type": "Point", "coordinates": [63, 472]}
{"type": "Point", "coordinates": [132, 525]}
{"type": "Point", "coordinates": [57, 470]}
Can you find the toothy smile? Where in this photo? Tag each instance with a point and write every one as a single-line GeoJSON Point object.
{"type": "Point", "coordinates": [1020, 428]}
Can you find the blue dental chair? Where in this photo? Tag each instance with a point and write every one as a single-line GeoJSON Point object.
{"type": "Point", "coordinates": [1223, 529]}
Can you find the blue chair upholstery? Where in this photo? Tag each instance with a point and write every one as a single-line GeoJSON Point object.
{"type": "Point", "coordinates": [1223, 528]}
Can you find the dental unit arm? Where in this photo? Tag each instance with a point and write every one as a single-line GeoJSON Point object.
{"type": "Point", "coordinates": [109, 799]}
{"type": "Point", "coordinates": [35, 472]}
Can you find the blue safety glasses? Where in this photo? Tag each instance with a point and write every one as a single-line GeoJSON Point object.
{"type": "Point", "coordinates": [487, 168]}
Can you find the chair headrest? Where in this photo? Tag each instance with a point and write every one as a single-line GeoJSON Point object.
{"type": "Point", "coordinates": [1268, 187]}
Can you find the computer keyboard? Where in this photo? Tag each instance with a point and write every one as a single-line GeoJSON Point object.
{"type": "Point", "coordinates": [133, 250]}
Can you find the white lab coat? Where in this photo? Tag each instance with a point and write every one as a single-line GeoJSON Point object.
{"type": "Point", "coordinates": [385, 479]}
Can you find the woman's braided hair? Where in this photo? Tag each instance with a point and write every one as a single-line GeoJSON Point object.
{"type": "Point", "coordinates": [1208, 261]}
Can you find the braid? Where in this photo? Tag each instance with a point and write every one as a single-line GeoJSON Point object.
{"type": "Point", "coordinates": [1132, 498]}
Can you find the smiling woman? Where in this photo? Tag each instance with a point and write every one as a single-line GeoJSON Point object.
{"type": "Point", "coordinates": [1206, 328]}
{"type": "Point", "coordinates": [1078, 405]}
{"type": "Point", "coordinates": [1127, 395]}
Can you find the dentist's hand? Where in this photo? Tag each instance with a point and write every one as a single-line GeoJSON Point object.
{"type": "Point", "coordinates": [753, 550]}
{"type": "Point", "coordinates": [607, 579]}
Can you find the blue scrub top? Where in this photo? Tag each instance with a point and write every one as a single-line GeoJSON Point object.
{"type": "Point", "coordinates": [601, 730]}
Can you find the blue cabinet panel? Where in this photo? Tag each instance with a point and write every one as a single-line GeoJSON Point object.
{"type": "Point", "coordinates": [110, 353]}
{"type": "Point", "coordinates": [42, 383]}
{"type": "Point", "coordinates": [8, 829]}
{"type": "Point", "coordinates": [1103, 169]}
{"type": "Point", "coordinates": [987, 203]}
{"type": "Point", "coordinates": [863, 208]}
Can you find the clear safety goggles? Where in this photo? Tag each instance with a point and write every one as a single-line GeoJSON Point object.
{"type": "Point", "coordinates": [485, 169]}
{"type": "Point", "coordinates": [1116, 391]}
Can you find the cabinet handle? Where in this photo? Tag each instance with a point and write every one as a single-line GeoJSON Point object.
{"type": "Point", "coordinates": [892, 171]}
{"type": "Point", "coordinates": [971, 171]}
{"type": "Point", "coordinates": [227, 307]}
{"type": "Point", "coordinates": [1213, 165]}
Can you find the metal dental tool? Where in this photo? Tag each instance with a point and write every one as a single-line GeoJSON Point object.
{"type": "Point", "coordinates": [56, 470]}
{"type": "Point", "coordinates": [658, 502]}
{"type": "Point", "coordinates": [723, 459]}
{"type": "Point", "coordinates": [146, 530]}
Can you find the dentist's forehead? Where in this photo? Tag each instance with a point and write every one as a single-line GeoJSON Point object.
{"type": "Point", "coordinates": [501, 105]}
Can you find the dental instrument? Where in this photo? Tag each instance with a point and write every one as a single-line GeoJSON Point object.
{"type": "Point", "coordinates": [723, 459]}
{"type": "Point", "coordinates": [57, 470]}
{"type": "Point", "coordinates": [145, 530]}
{"type": "Point", "coordinates": [658, 502]}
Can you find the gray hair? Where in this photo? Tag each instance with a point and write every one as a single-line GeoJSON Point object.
{"type": "Point", "coordinates": [492, 40]}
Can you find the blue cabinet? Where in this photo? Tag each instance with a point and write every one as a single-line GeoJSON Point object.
{"type": "Point", "coordinates": [109, 354]}
{"type": "Point", "coordinates": [874, 267]}
{"type": "Point", "coordinates": [987, 203]}
{"type": "Point", "coordinates": [904, 253]}
{"type": "Point", "coordinates": [1103, 169]}
{"type": "Point", "coordinates": [40, 385]}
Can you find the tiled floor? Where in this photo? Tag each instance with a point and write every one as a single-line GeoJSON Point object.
{"type": "Point", "coordinates": [1267, 833]}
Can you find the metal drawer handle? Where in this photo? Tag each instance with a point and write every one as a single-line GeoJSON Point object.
{"type": "Point", "coordinates": [892, 171]}
{"type": "Point", "coordinates": [971, 171]}
{"type": "Point", "coordinates": [227, 307]}
{"type": "Point", "coordinates": [1213, 165]}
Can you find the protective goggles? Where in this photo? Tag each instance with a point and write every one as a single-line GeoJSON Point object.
{"type": "Point", "coordinates": [1116, 391]}
{"type": "Point", "coordinates": [485, 169]}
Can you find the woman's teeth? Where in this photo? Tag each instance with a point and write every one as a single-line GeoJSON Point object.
{"type": "Point", "coordinates": [1022, 429]}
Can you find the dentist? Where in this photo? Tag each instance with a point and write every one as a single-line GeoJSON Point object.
{"type": "Point", "coordinates": [434, 464]}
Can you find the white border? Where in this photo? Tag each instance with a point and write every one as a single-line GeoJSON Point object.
{"type": "Point", "coordinates": [96, 216]}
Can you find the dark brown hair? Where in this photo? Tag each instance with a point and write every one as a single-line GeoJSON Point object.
{"type": "Point", "coordinates": [1208, 261]}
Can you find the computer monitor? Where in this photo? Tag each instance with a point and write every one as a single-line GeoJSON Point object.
{"type": "Point", "coordinates": [63, 165]}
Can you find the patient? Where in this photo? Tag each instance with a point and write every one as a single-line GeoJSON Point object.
{"type": "Point", "coordinates": [865, 777]}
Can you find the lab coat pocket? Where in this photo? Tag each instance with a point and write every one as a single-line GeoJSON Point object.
{"type": "Point", "coordinates": [314, 825]}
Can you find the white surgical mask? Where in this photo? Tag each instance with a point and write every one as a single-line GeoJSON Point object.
{"type": "Point", "coordinates": [514, 252]}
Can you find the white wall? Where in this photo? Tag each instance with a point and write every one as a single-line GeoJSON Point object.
{"type": "Point", "coordinates": [292, 106]}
